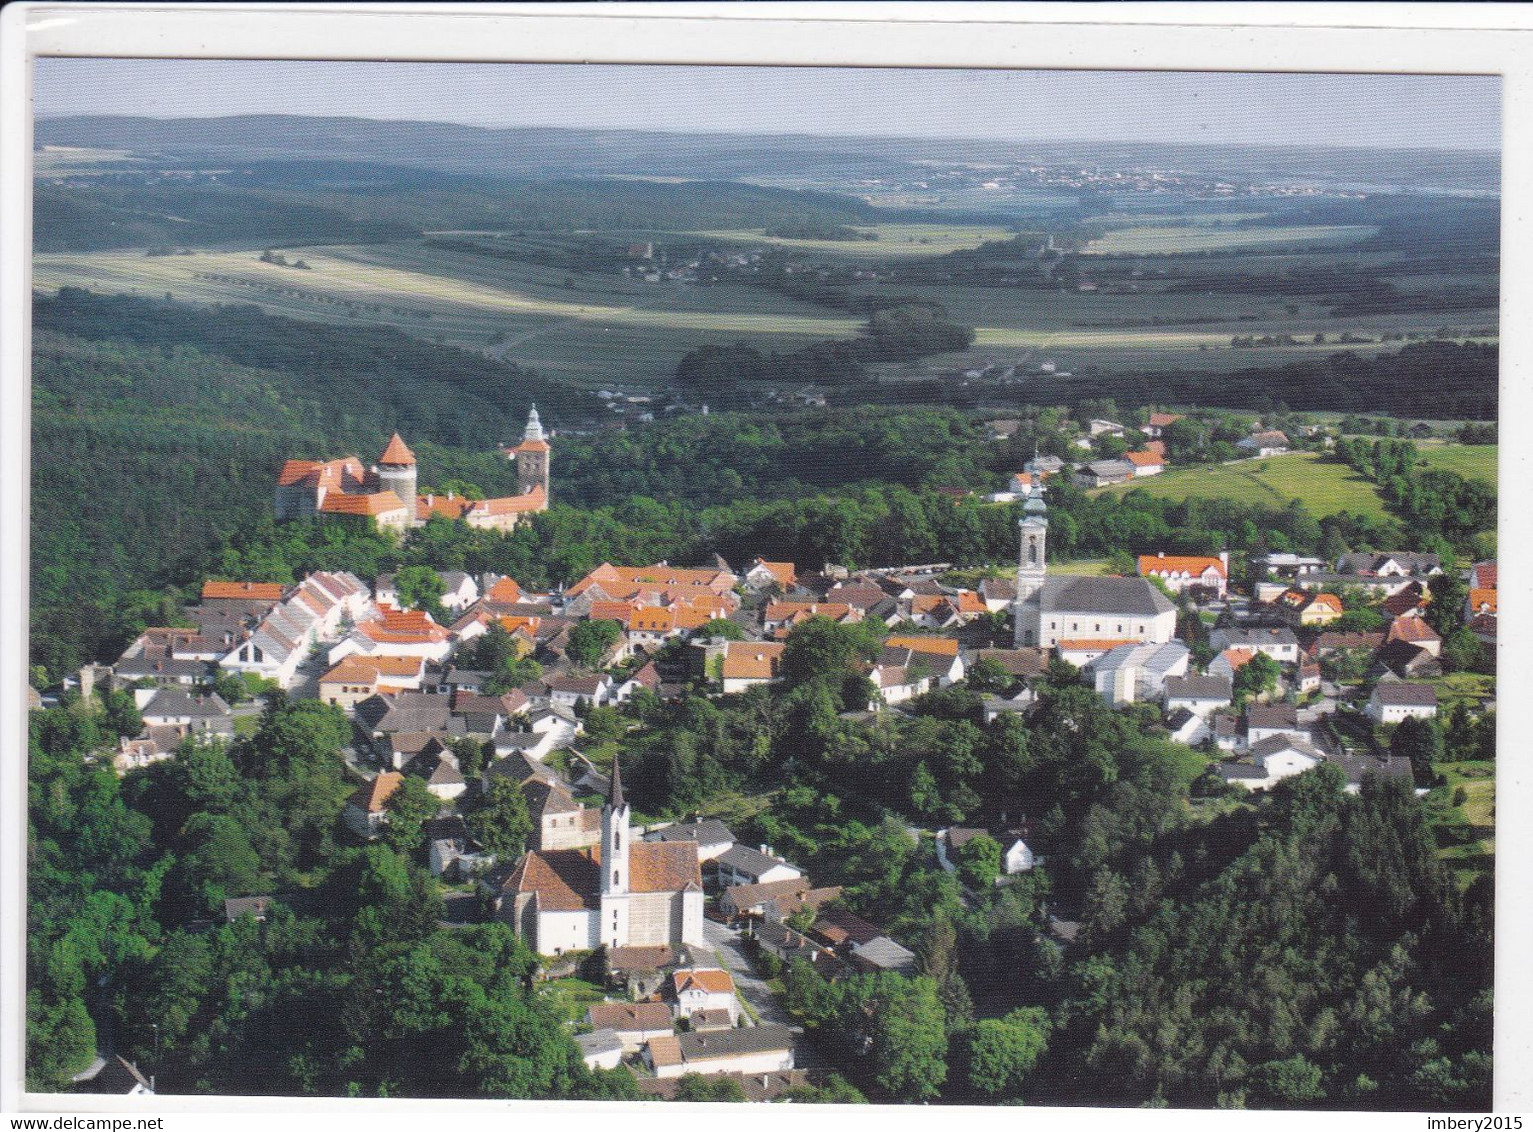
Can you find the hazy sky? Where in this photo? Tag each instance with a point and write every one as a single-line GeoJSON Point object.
{"type": "Point", "coordinates": [1369, 110]}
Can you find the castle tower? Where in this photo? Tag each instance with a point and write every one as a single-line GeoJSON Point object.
{"type": "Point", "coordinates": [1032, 565]}
{"type": "Point", "coordinates": [615, 838]}
{"type": "Point", "coordinates": [531, 457]}
{"type": "Point", "coordinates": [396, 472]}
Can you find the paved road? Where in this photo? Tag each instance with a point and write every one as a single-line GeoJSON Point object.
{"type": "Point", "coordinates": [729, 946]}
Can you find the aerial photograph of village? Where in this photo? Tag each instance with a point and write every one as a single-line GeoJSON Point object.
{"type": "Point", "coordinates": [831, 586]}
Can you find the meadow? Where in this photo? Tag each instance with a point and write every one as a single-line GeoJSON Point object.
{"type": "Point", "coordinates": [1472, 461]}
{"type": "Point", "coordinates": [1326, 486]}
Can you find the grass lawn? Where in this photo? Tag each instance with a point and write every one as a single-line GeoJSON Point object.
{"type": "Point", "coordinates": [246, 725]}
{"type": "Point", "coordinates": [1325, 486]}
{"type": "Point", "coordinates": [1472, 461]}
{"type": "Point", "coordinates": [570, 997]}
{"type": "Point", "coordinates": [1465, 830]}
{"type": "Point", "coordinates": [1091, 567]}
{"type": "Point", "coordinates": [1463, 687]}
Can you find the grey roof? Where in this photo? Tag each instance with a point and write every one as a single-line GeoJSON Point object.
{"type": "Point", "coordinates": [729, 1043]}
{"type": "Point", "coordinates": [550, 798]}
{"type": "Point", "coordinates": [1232, 771]}
{"type": "Point", "coordinates": [1102, 468]}
{"type": "Point", "coordinates": [169, 668]}
{"type": "Point", "coordinates": [1157, 658]}
{"type": "Point", "coordinates": [1368, 561]}
{"type": "Point", "coordinates": [1392, 766]}
{"type": "Point", "coordinates": [237, 906]}
{"type": "Point", "coordinates": [1196, 687]}
{"type": "Point", "coordinates": [1275, 743]}
{"type": "Point", "coordinates": [1272, 715]}
{"type": "Point", "coordinates": [1024, 662]}
{"type": "Point", "coordinates": [174, 702]}
{"type": "Point", "coordinates": [407, 711]}
{"type": "Point", "coordinates": [1235, 638]}
{"type": "Point", "coordinates": [744, 859]}
{"type": "Point", "coordinates": [1132, 597]}
{"type": "Point", "coordinates": [438, 768]}
{"type": "Point", "coordinates": [1400, 694]}
{"type": "Point", "coordinates": [708, 832]}
{"type": "Point", "coordinates": [881, 951]}
{"type": "Point", "coordinates": [598, 1042]}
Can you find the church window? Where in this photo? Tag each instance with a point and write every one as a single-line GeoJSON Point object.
{"type": "Point", "coordinates": [617, 841]}
{"type": "Point", "coordinates": [614, 876]}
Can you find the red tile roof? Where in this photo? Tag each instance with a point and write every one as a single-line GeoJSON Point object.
{"type": "Point", "coordinates": [377, 504]}
{"type": "Point", "coordinates": [1194, 565]}
{"type": "Point", "coordinates": [752, 660]}
{"type": "Point", "coordinates": [372, 797]}
{"type": "Point", "coordinates": [1144, 459]}
{"type": "Point", "coordinates": [933, 646]}
{"type": "Point", "coordinates": [397, 452]}
{"type": "Point", "coordinates": [506, 590]}
{"type": "Point", "coordinates": [712, 980]}
{"type": "Point", "coordinates": [244, 591]}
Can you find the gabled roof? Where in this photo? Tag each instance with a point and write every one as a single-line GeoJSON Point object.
{"type": "Point", "coordinates": [1196, 687]}
{"type": "Point", "coordinates": [663, 866]}
{"type": "Point", "coordinates": [1402, 694]}
{"type": "Point", "coordinates": [1132, 597]}
{"type": "Point", "coordinates": [712, 980]}
{"type": "Point", "coordinates": [710, 831]}
{"type": "Point", "coordinates": [711, 1045]}
{"type": "Point", "coordinates": [627, 1017]}
{"type": "Point", "coordinates": [380, 503]}
{"type": "Point", "coordinates": [1413, 629]}
{"type": "Point", "coordinates": [752, 660]}
{"type": "Point", "coordinates": [372, 796]}
{"type": "Point", "coordinates": [1144, 459]}
{"type": "Point", "coordinates": [931, 646]}
{"type": "Point", "coordinates": [1272, 715]}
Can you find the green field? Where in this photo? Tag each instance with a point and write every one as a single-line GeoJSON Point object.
{"type": "Point", "coordinates": [1466, 830]}
{"type": "Point", "coordinates": [1325, 486]}
{"type": "Point", "coordinates": [1181, 239]}
{"type": "Point", "coordinates": [1472, 461]}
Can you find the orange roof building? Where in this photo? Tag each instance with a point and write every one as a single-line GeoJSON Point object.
{"type": "Point", "coordinates": [932, 646]}
{"type": "Point", "coordinates": [242, 591]}
{"type": "Point", "coordinates": [1178, 571]}
{"type": "Point", "coordinates": [397, 452]}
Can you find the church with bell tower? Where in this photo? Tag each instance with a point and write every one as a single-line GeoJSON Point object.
{"type": "Point", "coordinates": [627, 892]}
{"type": "Point", "coordinates": [1106, 611]}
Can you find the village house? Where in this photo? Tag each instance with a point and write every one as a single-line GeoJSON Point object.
{"type": "Point", "coordinates": [600, 1049]}
{"type": "Point", "coordinates": [711, 836]}
{"type": "Point", "coordinates": [1260, 444]}
{"type": "Point", "coordinates": [1158, 423]}
{"type": "Point", "coordinates": [1146, 463]}
{"type": "Point", "coordinates": [1278, 643]}
{"type": "Point", "coordinates": [746, 664]}
{"type": "Point", "coordinates": [558, 821]}
{"type": "Point", "coordinates": [1263, 721]}
{"type": "Point", "coordinates": [1415, 631]}
{"type": "Point", "coordinates": [939, 655]}
{"type": "Point", "coordinates": [365, 811]}
{"type": "Point", "coordinates": [1393, 701]}
{"type": "Point", "coordinates": [1230, 661]}
{"type": "Point", "coordinates": [1308, 609]}
{"type": "Point", "coordinates": [767, 1048]}
{"type": "Point", "coordinates": [763, 575]}
{"type": "Point", "coordinates": [196, 715]}
{"type": "Point", "coordinates": [357, 678]}
{"type": "Point", "coordinates": [740, 900]}
{"type": "Point", "coordinates": [1270, 761]}
{"type": "Point", "coordinates": [695, 989]}
{"type": "Point", "coordinates": [1101, 473]}
{"type": "Point", "coordinates": [1201, 695]}
{"type": "Point", "coordinates": [1179, 572]}
{"type": "Point", "coordinates": [634, 1023]}
{"type": "Point", "coordinates": [740, 864]}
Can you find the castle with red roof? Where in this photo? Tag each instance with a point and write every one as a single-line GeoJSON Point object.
{"type": "Point", "coordinates": [385, 494]}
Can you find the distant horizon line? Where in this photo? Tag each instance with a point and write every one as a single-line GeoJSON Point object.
{"type": "Point", "coordinates": [1496, 150]}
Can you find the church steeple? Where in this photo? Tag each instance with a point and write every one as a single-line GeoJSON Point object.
{"type": "Point", "coordinates": [615, 836]}
{"type": "Point", "coordinates": [534, 429]}
{"type": "Point", "coordinates": [1032, 562]}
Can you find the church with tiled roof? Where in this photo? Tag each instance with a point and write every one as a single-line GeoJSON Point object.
{"type": "Point", "coordinates": [385, 494]}
{"type": "Point", "coordinates": [627, 892]}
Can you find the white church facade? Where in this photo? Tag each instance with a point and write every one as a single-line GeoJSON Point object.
{"type": "Point", "coordinates": [1079, 608]}
{"type": "Point", "coordinates": [625, 893]}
